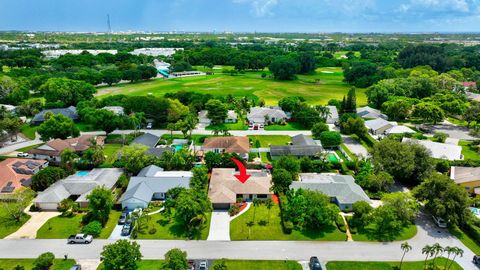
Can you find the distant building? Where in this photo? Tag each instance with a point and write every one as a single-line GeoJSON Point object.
{"type": "Point", "coordinates": [152, 183]}
{"type": "Point", "coordinates": [156, 51]}
{"type": "Point", "coordinates": [52, 150]}
{"type": "Point", "coordinates": [50, 54]}
{"type": "Point", "coordinates": [439, 150]}
{"type": "Point", "coordinates": [333, 118]}
{"type": "Point", "coordinates": [370, 113]}
{"type": "Point", "coordinates": [229, 144]}
{"type": "Point", "coordinates": [262, 115]}
{"type": "Point", "coordinates": [118, 110]}
{"type": "Point", "coordinates": [341, 189]}
{"type": "Point", "coordinates": [225, 189]}
{"type": "Point", "coordinates": [302, 146]}
{"type": "Point", "coordinates": [467, 177]}
{"type": "Point", "coordinates": [16, 173]}
{"type": "Point", "coordinates": [381, 127]}
{"type": "Point", "coordinates": [77, 187]}
{"type": "Point", "coordinates": [70, 112]}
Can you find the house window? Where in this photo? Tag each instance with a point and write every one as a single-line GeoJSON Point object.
{"type": "Point", "coordinates": [262, 196]}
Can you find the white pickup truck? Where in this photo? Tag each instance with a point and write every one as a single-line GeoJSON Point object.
{"type": "Point", "coordinates": [80, 239]}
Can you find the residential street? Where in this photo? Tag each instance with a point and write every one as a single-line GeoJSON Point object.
{"type": "Point", "coordinates": [254, 250]}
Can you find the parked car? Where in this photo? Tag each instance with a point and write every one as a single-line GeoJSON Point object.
{"type": "Point", "coordinates": [476, 260]}
{"type": "Point", "coordinates": [149, 125]}
{"type": "Point", "coordinates": [203, 265]}
{"type": "Point", "coordinates": [191, 265]}
{"type": "Point", "coordinates": [123, 218]}
{"type": "Point", "coordinates": [126, 230]}
{"type": "Point", "coordinates": [440, 222]}
{"type": "Point", "coordinates": [314, 263]}
{"type": "Point", "coordinates": [22, 154]}
{"type": "Point", "coordinates": [76, 267]}
{"type": "Point", "coordinates": [80, 239]}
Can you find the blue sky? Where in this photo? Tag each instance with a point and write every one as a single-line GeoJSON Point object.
{"type": "Point", "coordinates": [243, 15]}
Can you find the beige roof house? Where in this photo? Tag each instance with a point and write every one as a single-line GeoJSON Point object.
{"type": "Point", "coordinates": [225, 188]}
{"type": "Point", "coordinates": [230, 144]}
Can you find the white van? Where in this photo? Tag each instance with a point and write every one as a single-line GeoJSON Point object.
{"type": "Point", "coordinates": [440, 222]}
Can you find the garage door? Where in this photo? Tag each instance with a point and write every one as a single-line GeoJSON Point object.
{"type": "Point", "coordinates": [221, 205]}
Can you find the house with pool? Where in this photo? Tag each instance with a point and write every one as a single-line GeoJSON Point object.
{"type": "Point", "coordinates": [301, 146]}
{"type": "Point", "coordinates": [467, 177]}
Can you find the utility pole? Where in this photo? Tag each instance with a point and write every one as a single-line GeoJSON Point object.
{"type": "Point", "coordinates": [109, 29]}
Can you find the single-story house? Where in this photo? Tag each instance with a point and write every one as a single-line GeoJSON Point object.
{"type": "Point", "coordinates": [439, 150]}
{"type": "Point", "coordinates": [229, 144]}
{"type": "Point", "coordinates": [159, 150]}
{"type": "Point", "coordinates": [333, 118]}
{"type": "Point", "coordinates": [16, 173]}
{"type": "Point", "coordinates": [263, 115]}
{"type": "Point", "coordinates": [370, 113]}
{"type": "Point", "coordinates": [70, 112]}
{"type": "Point", "coordinates": [302, 146]}
{"type": "Point", "coordinates": [378, 126]}
{"type": "Point", "coordinates": [341, 189]}
{"type": "Point", "coordinates": [467, 177]}
{"type": "Point", "coordinates": [146, 139]}
{"type": "Point", "coordinates": [203, 117]}
{"type": "Point", "coordinates": [399, 130]}
{"type": "Point", "coordinates": [77, 187]}
{"type": "Point", "coordinates": [225, 188]}
{"type": "Point", "coordinates": [52, 150]}
{"type": "Point", "coordinates": [152, 183]}
{"type": "Point", "coordinates": [118, 110]}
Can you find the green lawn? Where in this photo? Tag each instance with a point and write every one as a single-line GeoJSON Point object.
{"type": "Point", "coordinates": [418, 265]}
{"type": "Point", "coordinates": [166, 228]}
{"type": "Point", "coordinates": [288, 126]}
{"type": "Point", "coordinates": [317, 88]}
{"type": "Point", "coordinates": [84, 127]}
{"type": "Point", "coordinates": [260, 265]}
{"type": "Point", "coordinates": [110, 149]}
{"type": "Point", "coordinates": [29, 131]}
{"type": "Point", "coordinates": [469, 151]}
{"type": "Point", "coordinates": [268, 227]}
{"type": "Point", "coordinates": [28, 148]}
{"type": "Point", "coordinates": [240, 125]}
{"type": "Point", "coordinates": [369, 235]}
{"type": "Point", "coordinates": [62, 227]}
{"type": "Point", "coordinates": [267, 140]}
{"type": "Point", "coordinates": [466, 240]}
{"type": "Point", "coordinates": [58, 264]}
{"type": "Point", "coordinates": [8, 227]}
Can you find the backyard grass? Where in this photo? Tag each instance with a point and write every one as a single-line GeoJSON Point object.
{"type": "Point", "coordinates": [268, 227]}
{"type": "Point", "coordinates": [58, 264]}
{"type": "Point", "coordinates": [28, 131]}
{"type": "Point", "coordinates": [240, 125]}
{"type": "Point", "coordinates": [7, 226]}
{"type": "Point", "coordinates": [369, 235]}
{"type": "Point", "coordinates": [465, 239]}
{"type": "Point", "coordinates": [110, 149]}
{"type": "Point", "coordinates": [418, 265]}
{"type": "Point", "coordinates": [260, 265]}
{"type": "Point", "coordinates": [167, 228]}
{"type": "Point", "coordinates": [111, 223]}
{"type": "Point", "coordinates": [349, 153]}
{"type": "Point", "coordinates": [317, 88]}
{"type": "Point", "coordinates": [288, 126]}
{"type": "Point", "coordinates": [469, 151]}
{"type": "Point", "coordinates": [267, 140]}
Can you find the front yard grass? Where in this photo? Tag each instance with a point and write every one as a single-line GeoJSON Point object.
{"type": "Point", "coordinates": [8, 226]}
{"type": "Point", "coordinates": [465, 239]}
{"type": "Point", "coordinates": [240, 125]}
{"type": "Point", "coordinates": [288, 126]}
{"type": "Point", "coordinates": [369, 235]}
{"type": "Point", "coordinates": [28, 131]}
{"type": "Point", "coordinates": [268, 227]}
{"type": "Point", "coordinates": [267, 140]}
{"type": "Point", "coordinates": [260, 265]}
{"type": "Point", "coordinates": [166, 228]}
{"type": "Point", "coordinates": [418, 265]}
{"type": "Point", "coordinates": [469, 151]}
{"type": "Point", "coordinates": [58, 264]}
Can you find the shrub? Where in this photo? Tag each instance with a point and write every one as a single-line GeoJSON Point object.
{"type": "Point", "coordinates": [44, 261]}
{"type": "Point", "coordinates": [233, 210]}
{"type": "Point", "coordinates": [122, 182]}
{"type": "Point", "coordinates": [152, 231]}
{"type": "Point", "coordinates": [287, 227]}
{"type": "Point", "coordinates": [440, 136]}
{"type": "Point", "coordinates": [94, 228]}
{"type": "Point", "coordinates": [443, 166]}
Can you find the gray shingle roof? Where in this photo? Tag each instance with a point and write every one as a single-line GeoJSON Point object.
{"type": "Point", "coordinates": [147, 139]}
{"type": "Point", "coordinates": [301, 146]}
{"type": "Point", "coordinates": [70, 112]}
{"type": "Point", "coordinates": [302, 140]}
{"type": "Point", "coordinates": [341, 187]}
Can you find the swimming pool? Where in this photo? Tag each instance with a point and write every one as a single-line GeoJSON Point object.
{"type": "Point", "coordinates": [332, 157]}
{"type": "Point", "coordinates": [475, 211]}
{"type": "Point", "coordinates": [81, 173]}
{"type": "Point", "coordinates": [178, 147]}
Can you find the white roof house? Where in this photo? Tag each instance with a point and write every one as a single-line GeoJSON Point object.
{"type": "Point", "coordinates": [118, 110]}
{"type": "Point", "coordinates": [258, 115]}
{"type": "Point", "coordinates": [370, 113]}
{"type": "Point", "coordinates": [378, 126]}
{"type": "Point", "coordinates": [399, 130]}
{"type": "Point", "coordinates": [152, 183]}
{"type": "Point", "coordinates": [49, 54]}
{"type": "Point", "coordinates": [439, 150]}
{"type": "Point", "coordinates": [203, 117]}
{"type": "Point", "coordinates": [156, 51]}
{"type": "Point", "coordinates": [333, 118]}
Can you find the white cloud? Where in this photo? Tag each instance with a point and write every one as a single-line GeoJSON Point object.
{"type": "Point", "coordinates": [442, 5]}
{"type": "Point", "coordinates": [260, 8]}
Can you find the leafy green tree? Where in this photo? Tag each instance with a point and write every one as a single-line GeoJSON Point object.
{"type": "Point", "coordinates": [281, 179]}
{"type": "Point", "coordinates": [307, 116]}
{"type": "Point", "coordinates": [405, 205]}
{"type": "Point", "coordinates": [330, 139]}
{"type": "Point", "coordinates": [176, 110]}
{"type": "Point", "coordinates": [100, 203]}
{"type": "Point", "coordinates": [111, 76]}
{"type": "Point", "coordinates": [190, 210]}
{"type": "Point", "coordinates": [320, 212]}
{"type": "Point", "coordinates": [361, 213]}
{"type": "Point", "coordinates": [398, 108]}
{"type": "Point", "coordinates": [46, 177]}
{"type": "Point", "coordinates": [70, 92]}
{"type": "Point", "coordinates": [307, 62]}
{"type": "Point", "coordinates": [121, 255]}
{"type": "Point", "coordinates": [132, 74]}
{"type": "Point", "coordinates": [147, 72]}
{"type": "Point", "coordinates": [217, 111]}
{"type": "Point", "coordinates": [291, 104]}
{"type": "Point", "coordinates": [44, 261]}
{"type": "Point", "coordinates": [68, 157]}
{"type": "Point", "coordinates": [102, 119]}
{"type": "Point", "coordinates": [385, 222]}
{"type": "Point", "coordinates": [472, 113]}
{"type": "Point", "coordinates": [220, 265]}
{"type": "Point", "coordinates": [57, 126]}
{"type": "Point", "coordinates": [199, 180]}
{"type": "Point", "coordinates": [352, 124]}
{"type": "Point", "coordinates": [351, 101]}
{"type": "Point", "coordinates": [284, 68]}
{"type": "Point", "coordinates": [429, 112]}
{"type": "Point", "coordinates": [133, 157]}
{"type": "Point", "coordinates": [361, 73]}
{"type": "Point", "coordinates": [440, 137]}
{"type": "Point", "coordinates": [290, 164]}
{"type": "Point", "coordinates": [175, 259]}
{"type": "Point", "coordinates": [379, 182]}
{"type": "Point", "coordinates": [306, 165]}
{"type": "Point", "coordinates": [93, 228]}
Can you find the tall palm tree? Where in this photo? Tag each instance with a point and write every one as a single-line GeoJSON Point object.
{"type": "Point", "coordinates": [406, 248]}
{"type": "Point", "coordinates": [436, 249]}
{"type": "Point", "coordinates": [68, 157]}
{"type": "Point", "coordinates": [449, 250]}
{"type": "Point", "coordinates": [324, 111]}
{"type": "Point", "coordinates": [269, 205]}
{"type": "Point", "coordinates": [428, 251]}
{"type": "Point", "coordinates": [456, 252]}
{"type": "Point", "coordinates": [256, 202]}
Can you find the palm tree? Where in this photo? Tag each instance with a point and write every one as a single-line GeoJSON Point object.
{"type": "Point", "coordinates": [68, 157]}
{"type": "Point", "coordinates": [457, 252]}
{"type": "Point", "coordinates": [428, 251]}
{"type": "Point", "coordinates": [406, 248]}
{"type": "Point", "coordinates": [256, 202]}
{"type": "Point", "coordinates": [436, 249]}
{"type": "Point", "coordinates": [324, 111]}
{"type": "Point", "coordinates": [171, 127]}
{"type": "Point", "coordinates": [269, 205]}
{"type": "Point", "coordinates": [449, 250]}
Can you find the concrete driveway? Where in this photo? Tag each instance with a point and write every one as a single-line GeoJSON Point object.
{"type": "Point", "coordinates": [219, 226]}
{"type": "Point", "coordinates": [30, 228]}
{"type": "Point", "coordinates": [355, 147]}
{"type": "Point", "coordinates": [453, 131]}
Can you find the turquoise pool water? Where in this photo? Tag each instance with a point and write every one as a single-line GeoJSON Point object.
{"type": "Point", "coordinates": [178, 147]}
{"type": "Point", "coordinates": [81, 173]}
{"type": "Point", "coordinates": [332, 157]}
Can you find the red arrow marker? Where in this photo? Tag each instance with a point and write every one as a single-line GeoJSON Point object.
{"type": "Point", "coordinates": [243, 176]}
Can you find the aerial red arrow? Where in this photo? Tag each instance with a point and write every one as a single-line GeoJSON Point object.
{"type": "Point", "coordinates": [243, 176]}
